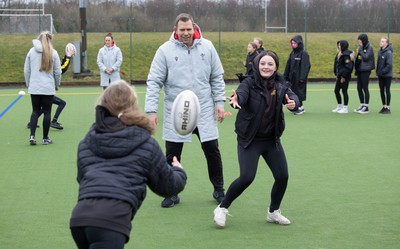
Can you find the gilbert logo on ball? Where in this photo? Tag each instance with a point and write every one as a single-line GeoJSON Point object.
{"type": "Point", "coordinates": [185, 112]}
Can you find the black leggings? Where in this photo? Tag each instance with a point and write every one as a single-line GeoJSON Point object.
{"type": "Point", "coordinates": [275, 158]}
{"type": "Point", "coordinates": [97, 238]}
{"type": "Point", "coordinates": [212, 154]}
{"type": "Point", "coordinates": [384, 86]}
{"type": "Point", "coordinates": [61, 104]}
{"type": "Point", "coordinates": [41, 103]}
{"type": "Point", "coordinates": [344, 86]}
{"type": "Point", "coordinates": [362, 86]}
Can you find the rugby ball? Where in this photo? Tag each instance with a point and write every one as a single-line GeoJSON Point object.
{"type": "Point", "coordinates": [70, 49]}
{"type": "Point", "coordinates": [185, 112]}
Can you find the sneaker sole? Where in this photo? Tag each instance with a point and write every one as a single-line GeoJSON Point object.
{"type": "Point", "coordinates": [219, 225]}
{"type": "Point", "coordinates": [277, 222]}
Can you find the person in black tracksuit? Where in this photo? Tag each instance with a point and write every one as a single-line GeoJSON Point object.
{"type": "Point", "coordinates": [259, 42]}
{"type": "Point", "coordinates": [384, 71]}
{"type": "Point", "coordinates": [259, 126]}
{"type": "Point", "coordinates": [364, 64]}
{"type": "Point", "coordinates": [56, 100]}
{"type": "Point", "coordinates": [251, 54]}
{"type": "Point", "coordinates": [297, 69]}
{"type": "Point", "coordinates": [117, 161]}
{"type": "Point", "coordinates": [343, 67]}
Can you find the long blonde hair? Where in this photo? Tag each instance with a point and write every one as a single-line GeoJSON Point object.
{"type": "Point", "coordinates": [121, 100]}
{"type": "Point", "coordinates": [47, 54]}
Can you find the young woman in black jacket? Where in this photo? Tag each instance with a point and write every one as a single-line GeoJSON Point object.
{"type": "Point", "coordinates": [117, 160]}
{"type": "Point", "coordinates": [343, 66]}
{"type": "Point", "coordinates": [259, 126]}
{"type": "Point", "coordinates": [364, 64]}
{"type": "Point", "coordinates": [384, 70]}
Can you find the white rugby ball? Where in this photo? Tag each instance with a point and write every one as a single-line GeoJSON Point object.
{"type": "Point", "coordinates": [185, 112]}
{"type": "Point", "coordinates": [70, 49]}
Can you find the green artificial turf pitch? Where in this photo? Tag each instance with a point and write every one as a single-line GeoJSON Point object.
{"type": "Point", "coordinates": [343, 192]}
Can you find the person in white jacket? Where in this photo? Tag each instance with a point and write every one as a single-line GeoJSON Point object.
{"type": "Point", "coordinates": [42, 71]}
{"type": "Point", "coordinates": [187, 61]}
{"type": "Point", "coordinates": [109, 60]}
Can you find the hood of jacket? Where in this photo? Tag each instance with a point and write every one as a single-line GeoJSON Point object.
{"type": "Point", "coordinates": [344, 45]}
{"type": "Point", "coordinates": [257, 76]}
{"type": "Point", "coordinates": [37, 45]}
{"type": "Point", "coordinates": [364, 39]}
{"type": "Point", "coordinates": [299, 40]}
{"type": "Point", "coordinates": [110, 138]}
{"type": "Point", "coordinates": [388, 48]}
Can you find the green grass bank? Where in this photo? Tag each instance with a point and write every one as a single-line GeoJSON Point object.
{"type": "Point", "coordinates": [138, 52]}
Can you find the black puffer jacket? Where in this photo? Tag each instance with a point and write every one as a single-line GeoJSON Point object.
{"type": "Point", "coordinates": [118, 162]}
{"type": "Point", "coordinates": [252, 99]}
{"type": "Point", "coordinates": [385, 62]}
{"type": "Point", "coordinates": [343, 65]}
{"type": "Point", "coordinates": [365, 61]}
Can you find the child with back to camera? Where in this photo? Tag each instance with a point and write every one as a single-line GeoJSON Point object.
{"type": "Point", "coordinates": [117, 160]}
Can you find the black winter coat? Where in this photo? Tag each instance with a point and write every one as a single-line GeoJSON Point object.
{"type": "Point", "coordinates": [344, 65]}
{"type": "Point", "coordinates": [384, 66]}
{"type": "Point", "coordinates": [365, 61]}
{"type": "Point", "coordinates": [249, 62]}
{"type": "Point", "coordinates": [251, 97]}
{"type": "Point", "coordinates": [118, 162]}
{"type": "Point", "coordinates": [297, 69]}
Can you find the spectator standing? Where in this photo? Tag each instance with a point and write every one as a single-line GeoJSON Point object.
{"type": "Point", "coordinates": [297, 70]}
{"type": "Point", "coordinates": [109, 60]}
{"type": "Point", "coordinates": [384, 71]}
{"type": "Point", "coordinates": [365, 63]}
{"type": "Point", "coordinates": [251, 54]}
{"type": "Point", "coordinates": [259, 42]}
{"type": "Point", "coordinates": [343, 67]}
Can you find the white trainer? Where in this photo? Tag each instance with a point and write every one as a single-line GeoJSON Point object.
{"type": "Point", "coordinates": [344, 110]}
{"type": "Point", "coordinates": [338, 108]}
{"type": "Point", "coordinates": [277, 217]}
{"type": "Point", "coordinates": [220, 216]}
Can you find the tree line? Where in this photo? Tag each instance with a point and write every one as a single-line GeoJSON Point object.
{"type": "Point", "coordinates": [222, 15]}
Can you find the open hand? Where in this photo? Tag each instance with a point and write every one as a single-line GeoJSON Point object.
{"type": "Point", "coordinates": [234, 100]}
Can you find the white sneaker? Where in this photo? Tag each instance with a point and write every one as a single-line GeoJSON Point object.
{"type": "Point", "coordinates": [344, 110]}
{"type": "Point", "coordinates": [277, 217]}
{"type": "Point", "coordinates": [337, 109]}
{"type": "Point", "coordinates": [220, 216]}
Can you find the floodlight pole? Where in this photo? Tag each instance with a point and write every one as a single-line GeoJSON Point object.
{"type": "Point", "coordinates": [82, 13]}
{"type": "Point", "coordinates": [305, 24]}
{"type": "Point", "coordinates": [388, 17]}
